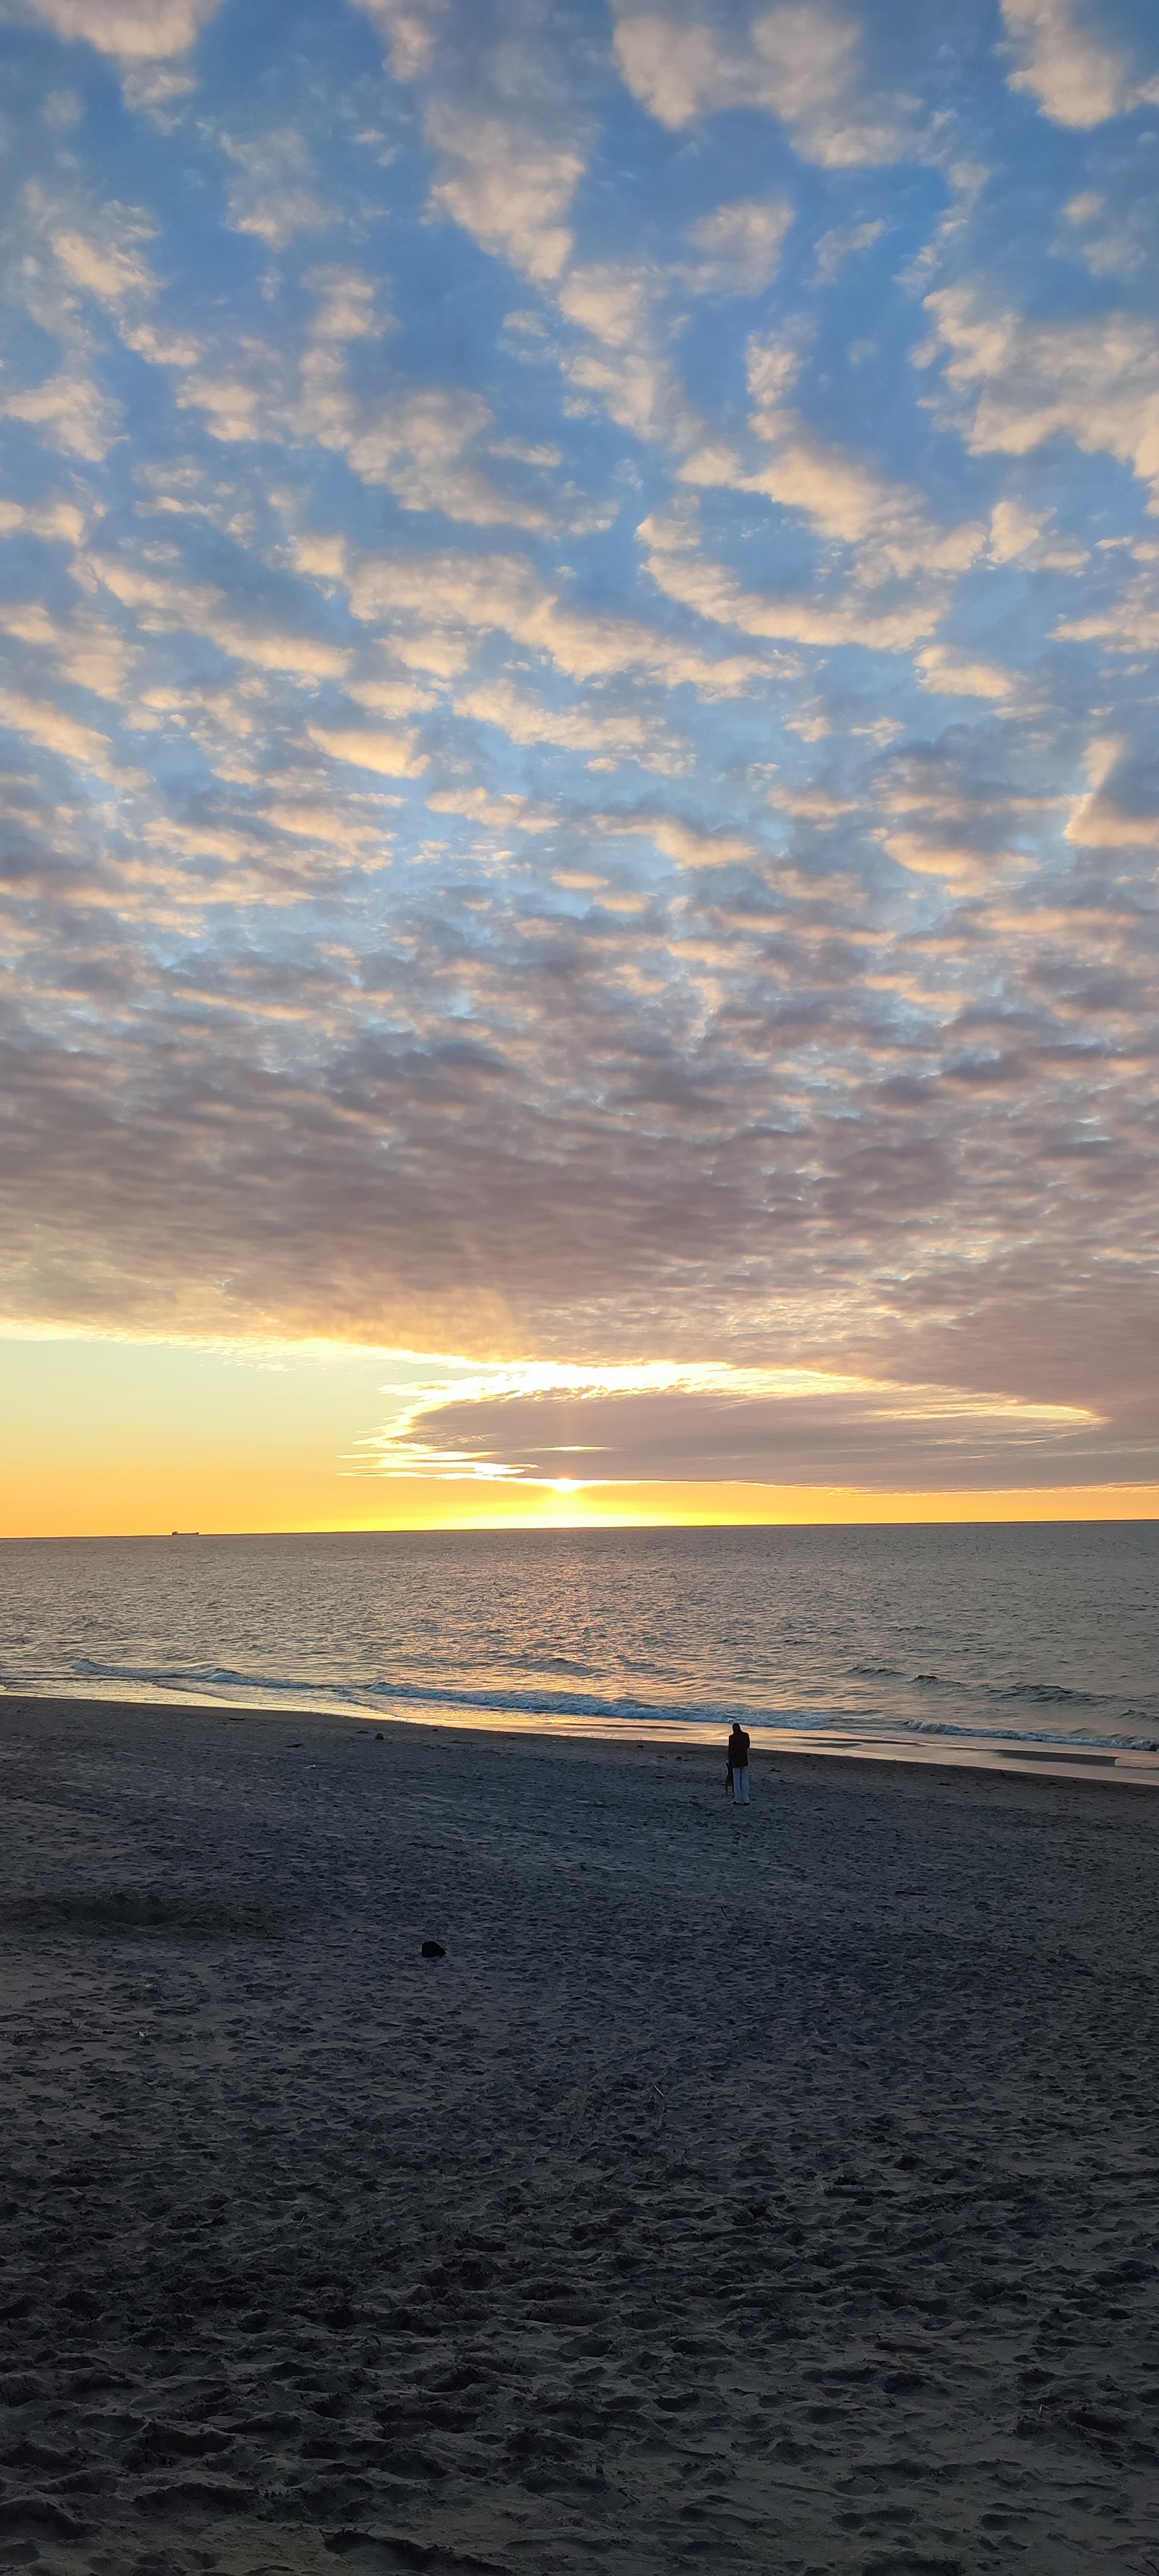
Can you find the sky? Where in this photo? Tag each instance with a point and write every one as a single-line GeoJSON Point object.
{"type": "Point", "coordinates": [578, 592]}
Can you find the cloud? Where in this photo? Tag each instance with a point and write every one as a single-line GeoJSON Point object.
{"type": "Point", "coordinates": [272, 197]}
{"type": "Point", "coordinates": [168, 606]}
{"type": "Point", "coordinates": [478, 805]}
{"type": "Point", "coordinates": [679, 569]}
{"type": "Point", "coordinates": [640, 392]}
{"type": "Point", "coordinates": [843, 242]}
{"type": "Point", "coordinates": [1111, 243]}
{"type": "Point", "coordinates": [948, 818]}
{"type": "Point", "coordinates": [1121, 809]}
{"type": "Point", "coordinates": [417, 446]}
{"type": "Point", "coordinates": [112, 273]}
{"type": "Point", "coordinates": [540, 1423]}
{"type": "Point", "coordinates": [811, 804]}
{"type": "Point", "coordinates": [800, 62]}
{"type": "Point", "coordinates": [98, 254]}
{"type": "Point", "coordinates": [846, 497]}
{"type": "Point", "coordinates": [390, 697]}
{"type": "Point", "coordinates": [143, 39]}
{"type": "Point", "coordinates": [416, 443]}
{"type": "Point", "coordinates": [1078, 77]}
{"type": "Point", "coordinates": [688, 844]}
{"type": "Point", "coordinates": [949, 673]}
{"type": "Point", "coordinates": [390, 755]}
{"type": "Point", "coordinates": [1019, 383]}
{"type": "Point", "coordinates": [260, 860]}
{"type": "Point", "coordinates": [153, 90]}
{"type": "Point", "coordinates": [233, 406]}
{"type": "Point", "coordinates": [85, 651]}
{"type": "Point", "coordinates": [611, 300]}
{"type": "Point", "coordinates": [508, 166]}
{"type": "Point", "coordinates": [341, 826]}
{"type": "Point", "coordinates": [524, 719]}
{"type": "Point", "coordinates": [215, 718]}
{"type": "Point", "coordinates": [1127, 623]}
{"type": "Point", "coordinates": [833, 488]}
{"type": "Point", "coordinates": [741, 246]}
{"type": "Point", "coordinates": [135, 30]}
{"type": "Point", "coordinates": [487, 594]}
{"type": "Point", "coordinates": [508, 185]}
{"type": "Point", "coordinates": [1019, 535]}
{"type": "Point", "coordinates": [54, 730]}
{"type": "Point", "coordinates": [348, 307]}
{"type": "Point", "coordinates": [53, 520]}
{"type": "Point", "coordinates": [927, 852]}
{"type": "Point", "coordinates": [74, 413]}
{"type": "Point", "coordinates": [181, 487]}
{"type": "Point", "coordinates": [411, 33]}
{"type": "Point", "coordinates": [628, 374]}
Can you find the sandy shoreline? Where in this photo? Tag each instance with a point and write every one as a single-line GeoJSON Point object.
{"type": "Point", "coordinates": [1114, 1762]}
{"type": "Point", "coordinates": [770, 2190]}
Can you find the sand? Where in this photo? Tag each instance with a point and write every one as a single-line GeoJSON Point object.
{"type": "Point", "coordinates": [768, 2190]}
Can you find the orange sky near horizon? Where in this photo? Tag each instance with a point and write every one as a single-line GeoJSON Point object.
{"type": "Point", "coordinates": [148, 1498]}
{"type": "Point", "coordinates": [132, 1438]}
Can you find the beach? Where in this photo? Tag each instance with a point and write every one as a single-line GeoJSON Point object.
{"type": "Point", "coordinates": [767, 2189]}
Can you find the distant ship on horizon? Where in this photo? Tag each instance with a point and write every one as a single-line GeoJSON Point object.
{"type": "Point", "coordinates": [184, 1533]}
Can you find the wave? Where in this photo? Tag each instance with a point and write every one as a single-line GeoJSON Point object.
{"type": "Point", "coordinates": [1050, 1695]}
{"type": "Point", "coordinates": [521, 1703]}
{"type": "Point", "coordinates": [1020, 1735]}
{"type": "Point", "coordinates": [381, 1696]}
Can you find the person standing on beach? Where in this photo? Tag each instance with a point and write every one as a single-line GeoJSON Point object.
{"type": "Point", "coordinates": [738, 1763]}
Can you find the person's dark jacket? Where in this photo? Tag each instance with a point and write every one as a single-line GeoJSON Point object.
{"type": "Point", "coordinates": [738, 1750]}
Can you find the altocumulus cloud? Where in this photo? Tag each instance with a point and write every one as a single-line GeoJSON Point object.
{"type": "Point", "coordinates": [578, 720]}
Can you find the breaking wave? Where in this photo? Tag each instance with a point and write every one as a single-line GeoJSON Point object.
{"type": "Point", "coordinates": [572, 1708]}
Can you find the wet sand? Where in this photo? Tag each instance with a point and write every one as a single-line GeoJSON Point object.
{"type": "Point", "coordinates": [767, 2190]}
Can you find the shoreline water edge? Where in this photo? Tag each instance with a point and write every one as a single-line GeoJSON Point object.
{"type": "Point", "coordinates": [1119, 1766]}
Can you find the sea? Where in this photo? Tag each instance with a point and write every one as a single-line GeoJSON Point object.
{"type": "Point", "coordinates": [1029, 1641]}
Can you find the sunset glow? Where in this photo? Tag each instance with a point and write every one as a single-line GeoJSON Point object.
{"type": "Point", "coordinates": [579, 593]}
{"type": "Point", "coordinates": [109, 1437]}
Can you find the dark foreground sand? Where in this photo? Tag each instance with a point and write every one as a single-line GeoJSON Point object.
{"type": "Point", "coordinates": [769, 2191]}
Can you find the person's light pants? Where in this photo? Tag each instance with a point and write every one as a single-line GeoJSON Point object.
{"type": "Point", "coordinates": [740, 1787]}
